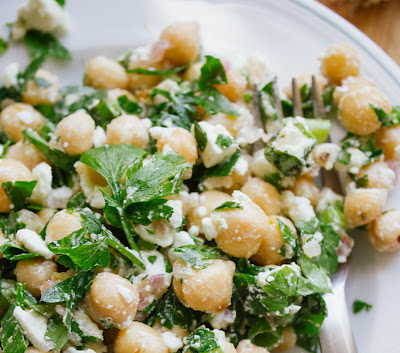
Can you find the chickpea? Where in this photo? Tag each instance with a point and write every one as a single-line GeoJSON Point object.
{"type": "Point", "coordinates": [35, 94]}
{"type": "Point", "coordinates": [264, 195]}
{"type": "Point", "coordinates": [305, 186]}
{"type": "Point", "coordinates": [379, 175]}
{"type": "Point", "coordinates": [3, 239]}
{"type": "Point", "coordinates": [272, 242]}
{"type": "Point", "coordinates": [74, 134]}
{"type": "Point", "coordinates": [114, 94]}
{"type": "Point", "coordinates": [362, 206]}
{"type": "Point", "coordinates": [340, 61]}
{"type": "Point", "coordinates": [45, 214]}
{"type": "Point", "coordinates": [384, 232]}
{"type": "Point", "coordinates": [112, 299]}
{"type": "Point", "coordinates": [351, 83]}
{"type": "Point", "coordinates": [19, 116]}
{"type": "Point", "coordinates": [32, 220]}
{"type": "Point", "coordinates": [356, 114]}
{"type": "Point", "coordinates": [142, 82]}
{"type": "Point", "coordinates": [105, 73]}
{"type": "Point", "coordinates": [226, 346]}
{"type": "Point", "coordinates": [239, 232]}
{"type": "Point", "coordinates": [183, 40]}
{"type": "Point", "coordinates": [128, 129]}
{"type": "Point", "coordinates": [183, 142]}
{"type": "Point", "coordinates": [193, 72]}
{"type": "Point", "coordinates": [33, 350]}
{"type": "Point", "coordinates": [34, 272]}
{"type": "Point", "coordinates": [289, 340]}
{"type": "Point", "coordinates": [208, 202]}
{"type": "Point", "coordinates": [11, 170]}
{"type": "Point", "coordinates": [209, 289]}
{"type": "Point", "coordinates": [306, 78]}
{"type": "Point", "coordinates": [26, 153]}
{"type": "Point", "coordinates": [179, 332]}
{"type": "Point", "coordinates": [389, 139]}
{"type": "Point", "coordinates": [245, 346]}
{"type": "Point", "coordinates": [61, 225]}
{"type": "Point", "coordinates": [139, 338]}
{"type": "Point", "coordinates": [235, 87]}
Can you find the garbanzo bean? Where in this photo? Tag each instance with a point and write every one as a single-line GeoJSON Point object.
{"type": "Point", "coordinates": [115, 93]}
{"type": "Point", "coordinates": [356, 114]}
{"type": "Point", "coordinates": [239, 232]}
{"type": "Point", "coordinates": [340, 61]}
{"type": "Point", "coordinates": [183, 40]}
{"type": "Point", "coordinates": [11, 170]}
{"type": "Point", "coordinates": [264, 195]}
{"type": "Point", "coordinates": [245, 346]}
{"type": "Point", "coordinates": [139, 338]}
{"type": "Point", "coordinates": [45, 214]}
{"type": "Point", "coordinates": [209, 289]}
{"type": "Point", "coordinates": [61, 225]}
{"type": "Point", "coordinates": [112, 299]}
{"type": "Point", "coordinates": [235, 87]}
{"type": "Point", "coordinates": [384, 232]}
{"type": "Point", "coordinates": [272, 242]}
{"type": "Point", "coordinates": [226, 346]}
{"type": "Point", "coordinates": [379, 175]}
{"type": "Point", "coordinates": [26, 153]}
{"type": "Point", "coordinates": [48, 93]}
{"type": "Point", "coordinates": [105, 73]}
{"type": "Point", "coordinates": [289, 340]}
{"type": "Point", "coordinates": [208, 201]}
{"type": "Point", "coordinates": [193, 72]}
{"type": "Point", "coordinates": [34, 272]}
{"type": "Point", "coordinates": [305, 186]}
{"type": "Point", "coordinates": [362, 206]}
{"type": "Point", "coordinates": [33, 350]}
{"type": "Point", "coordinates": [19, 116]}
{"type": "Point", "coordinates": [74, 134]}
{"type": "Point", "coordinates": [389, 139]}
{"type": "Point", "coordinates": [351, 83]}
{"type": "Point", "coordinates": [31, 220]}
{"type": "Point", "coordinates": [128, 129]}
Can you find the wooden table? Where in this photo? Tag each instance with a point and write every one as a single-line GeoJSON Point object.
{"type": "Point", "coordinates": [382, 24]}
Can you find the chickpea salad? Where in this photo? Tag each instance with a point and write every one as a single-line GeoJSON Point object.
{"type": "Point", "coordinates": [165, 206]}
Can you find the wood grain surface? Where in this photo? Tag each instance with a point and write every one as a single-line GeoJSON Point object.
{"type": "Point", "coordinates": [380, 22]}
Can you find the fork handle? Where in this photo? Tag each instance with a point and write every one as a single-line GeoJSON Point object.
{"type": "Point", "coordinates": [336, 334]}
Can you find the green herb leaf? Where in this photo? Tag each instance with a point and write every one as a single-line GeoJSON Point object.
{"type": "Point", "coordinates": [57, 332]}
{"type": "Point", "coordinates": [145, 212]}
{"type": "Point", "coordinates": [262, 334]}
{"type": "Point", "coordinates": [19, 192]}
{"type": "Point", "coordinates": [386, 119]}
{"type": "Point", "coordinates": [202, 340]}
{"type": "Point", "coordinates": [198, 256]}
{"type": "Point", "coordinates": [59, 158]}
{"type": "Point", "coordinates": [289, 165]}
{"type": "Point", "coordinates": [200, 136]}
{"type": "Point", "coordinates": [289, 237]}
{"type": "Point", "coordinates": [275, 179]}
{"type": "Point", "coordinates": [223, 141]}
{"type": "Point", "coordinates": [359, 305]}
{"type": "Point", "coordinates": [61, 2]}
{"type": "Point", "coordinates": [30, 71]}
{"type": "Point", "coordinates": [14, 252]}
{"type": "Point", "coordinates": [213, 101]}
{"type": "Point", "coordinates": [154, 72]}
{"type": "Point", "coordinates": [42, 82]}
{"type": "Point", "coordinates": [229, 205]}
{"type": "Point", "coordinates": [11, 336]}
{"type": "Point", "coordinates": [78, 201]}
{"type": "Point", "coordinates": [130, 107]}
{"type": "Point", "coordinates": [212, 72]}
{"type": "Point", "coordinates": [3, 46]}
{"type": "Point", "coordinates": [315, 274]}
{"type": "Point", "coordinates": [40, 43]}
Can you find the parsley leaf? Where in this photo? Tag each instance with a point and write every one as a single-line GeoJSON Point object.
{"type": "Point", "coordinates": [78, 201]}
{"type": "Point", "coordinates": [19, 192]}
{"type": "Point", "coordinates": [40, 43]}
{"type": "Point", "coordinates": [212, 72]}
{"type": "Point", "coordinates": [61, 2]}
{"type": "Point", "coordinates": [3, 46]}
{"type": "Point", "coordinates": [213, 101]}
{"type": "Point", "coordinates": [289, 165]}
{"type": "Point", "coordinates": [154, 72]}
{"type": "Point", "coordinates": [14, 252]}
{"type": "Point", "coordinates": [315, 274]}
{"type": "Point", "coordinates": [223, 141]}
{"type": "Point", "coordinates": [198, 256]}
{"type": "Point", "coordinates": [359, 305]}
{"type": "Point", "coordinates": [289, 237]}
{"type": "Point", "coordinates": [263, 334]}
{"type": "Point", "coordinates": [202, 340]}
{"type": "Point", "coordinates": [57, 332]}
{"type": "Point", "coordinates": [200, 136]}
{"type": "Point", "coordinates": [130, 107]}
{"type": "Point", "coordinates": [229, 205]}
{"type": "Point", "coordinates": [275, 179]}
{"type": "Point", "coordinates": [42, 82]}
{"type": "Point", "coordinates": [386, 119]}
{"type": "Point", "coordinates": [11, 336]}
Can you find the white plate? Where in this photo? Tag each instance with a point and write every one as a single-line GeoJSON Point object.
{"type": "Point", "coordinates": [292, 33]}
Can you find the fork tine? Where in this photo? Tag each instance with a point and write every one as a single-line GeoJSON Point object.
{"type": "Point", "coordinates": [276, 98]}
{"type": "Point", "coordinates": [297, 108]}
{"type": "Point", "coordinates": [319, 111]}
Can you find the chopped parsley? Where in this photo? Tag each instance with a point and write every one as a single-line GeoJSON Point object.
{"type": "Point", "coordinates": [359, 305]}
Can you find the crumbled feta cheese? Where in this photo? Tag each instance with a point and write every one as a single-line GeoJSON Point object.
{"type": "Point", "coordinates": [298, 208]}
{"type": "Point", "coordinates": [158, 232]}
{"type": "Point", "coordinates": [267, 276]}
{"type": "Point", "coordinates": [326, 155]}
{"type": "Point", "coordinates": [43, 174]}
{"type": "Point", "coordinates": [258, 68]}
{"type": "Point", "coordinates": [327, 197]}
{"type": "Point", "coordinates": [357, 160]}
{"type": "Point", "coordinates": [208, 228]}
{"type": "Point", "coordinates": [44, 15]}
{"type": "Point", "coordinates": [59, 197]}
{"type": "Point", "coordinates": [173, 342]}
{"type": "Point", "coordinates": [260, 166]}
{"type": "Point", "coordinates": [182, 238]}
{"type": "Point", "coordinates": [156, 132]}
{"type": "Point", "coordinates": [222, 320]}
{"type": "Point", "coordinates": [92, 192]}
{"type": "Point", "coordinates": [33, 243]}
{"type": "Point", "coordinates": [241, 166]}
{"type": "Point", "coordinates": [312, 244]}
{"type": "Point", "coordinates": [74, 350]}
{"type": "Point", "coordinates": [291, 139]}
{"type": "Point", "coordinates": [88, 327]}
{"type": "Point", "coordinates": [34, 327]}
{"type": "Point", "coordinates": [99, 137]}
{"type": "Point", "coordinates": [167, 85]}
{"type": "Point", "coordinates": [9, 75]}
{"type": "Point", "coordinates": [140, 54]}
{"type": "Point", "coordinates": [214, 154]}
{"type": "Point", "coordinates": [177, 214]}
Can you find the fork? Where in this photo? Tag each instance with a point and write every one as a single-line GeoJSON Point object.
{"type": "Point", "coordinates": [336, 334]}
